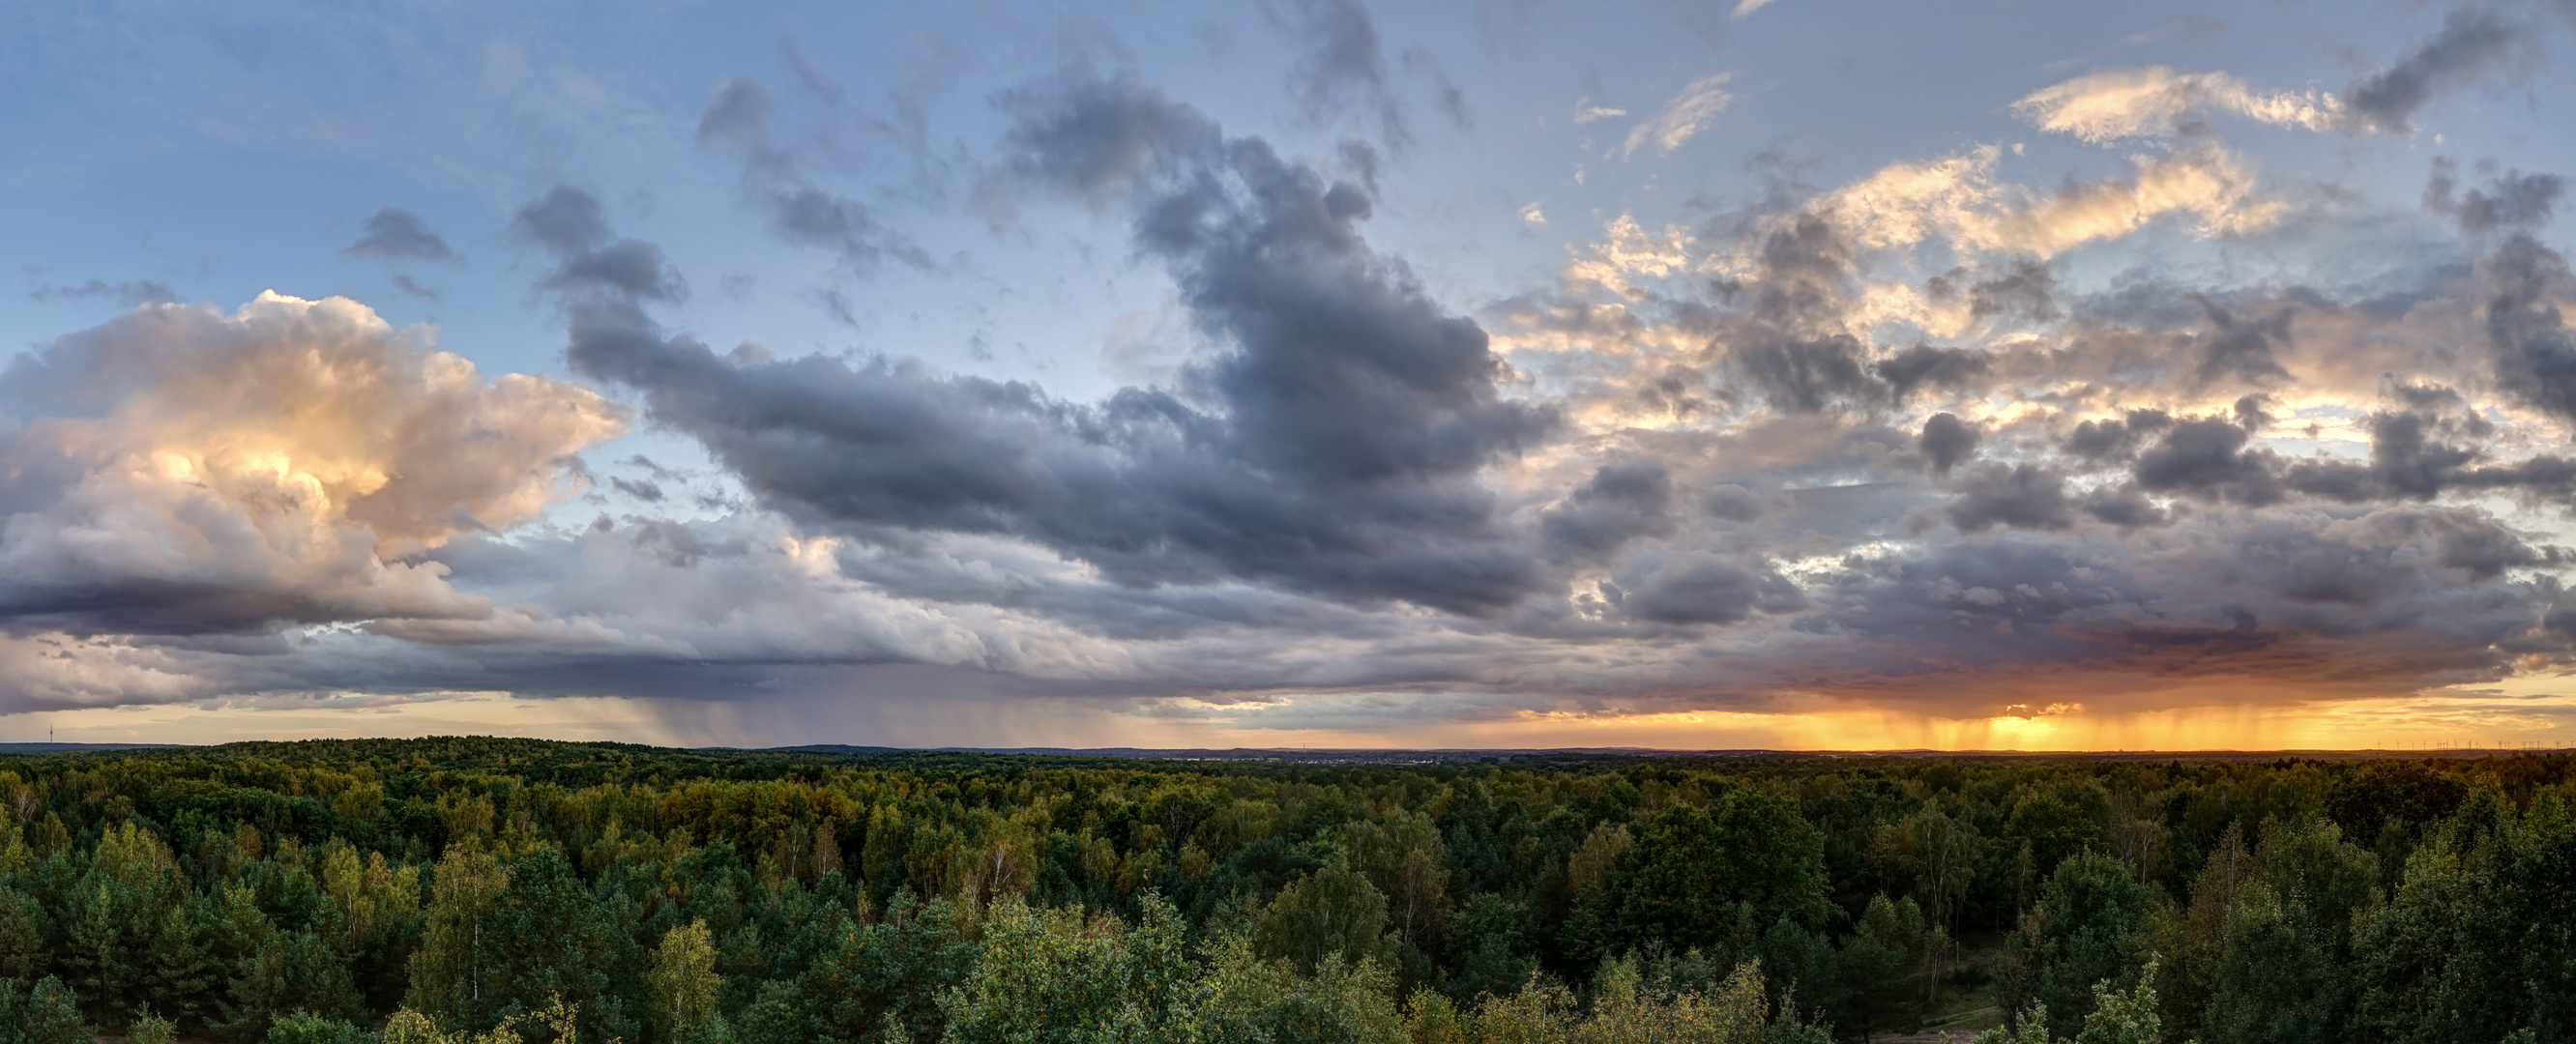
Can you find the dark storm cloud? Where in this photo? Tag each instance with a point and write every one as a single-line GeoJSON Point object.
{"type": "Point", "coordinates": [2116, 438]}
{"type": "Point", "coordinates": [2513, 200]}
{"type": "Point", "coordinates": [1784, 328]}
{"type": "Point", "coordinates": [1700, 590]}
{"type": "Point", "coordinates": [1927, 367]}
{"type": "Point", "coordinates": [2025, 290]}
{"type": "Point", "coordinates": [1787, 337]}
{"type": "Point", "coordinates": [1331, 443]}
{"type": "Point", "coordinates": [2239, 351]}
{"type": "Point", "coordinates": [395, 234]}
{"type": "Point", "coordinates": [2534, 352]}
{"type": "Point", "coordinates": [1622, 502]}
{"type": "Point", "coordinates": [1948, 442]}
{"type": "Point", "coordinates": [1803, 375]}
{"type": "Point", "coordinates": [2389, 598]}
{"type": "Point", "coordinates": [2124, 506]}
{"type": "Point", "coordinates": [2207, 458]}
{"type": "Point", "coordinates": [2019, 496]}
{"type": "Point", "coordinates": [2473, 42]}
{"type": "Point", "coordinates": [1732, 503]}
{"type": "Point", "coordinates": [2416, 454]}
{"type": "Point", "coordinates": [129, 294]}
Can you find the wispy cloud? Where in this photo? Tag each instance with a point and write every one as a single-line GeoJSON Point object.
{"type": "Point", "coordinates": [2158, 102]}
{"type": "Point", "coordinates": [1687, 114]}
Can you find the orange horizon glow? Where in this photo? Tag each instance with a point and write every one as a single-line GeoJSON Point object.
{"type": "Point", "coordinates": [2520, 714]}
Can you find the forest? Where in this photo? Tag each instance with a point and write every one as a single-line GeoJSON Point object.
{"type": "Point", "coordinates": [493, 891]}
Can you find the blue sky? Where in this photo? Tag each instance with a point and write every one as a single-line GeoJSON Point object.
{"type": "Point", "coordinates": [988, 459]}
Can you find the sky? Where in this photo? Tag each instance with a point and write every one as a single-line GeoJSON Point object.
{"type": "Point", "coordinates": [1813, 374]}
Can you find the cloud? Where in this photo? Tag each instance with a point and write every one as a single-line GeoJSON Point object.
{"type": "Point", "coordinates": [1621, 503]}
{"type": "Point", "coordinates": [395, 234]}
{"type": "Point", "coordinates": [2513, 200]}
{"type": "Point", "coordinates": [2157, 102]}
{"type": "Point", "coordinates": [2533, 349]}
{"type": "Point", "coordinates": [2021, 496]}
{"type": "Point", "coordinates": [1948, 441]}
{"type": "Point", "coordinates": [2472, 44]}
{"type": "Point", "coordinates": [1341, 63]}
{"type": "Point", "coordinates": [1959, 200]}
{"type": "Point", "coordinates": [181, 470]}
{"type": "Point", "coordinates": [1586, 112]}
{"type": "Point", "coordinates": [1687, 114]}
{"type": "Point", "coordinates": [1332, 443]}
{"type": "Point", "coordinates": [1947, 437]}
{"type": "Point", "coordinates": [129, 294]}
{"type": "Point", "coordinates": [1703, 590]}
{"type": "Point", "coordinates": [738, 118]}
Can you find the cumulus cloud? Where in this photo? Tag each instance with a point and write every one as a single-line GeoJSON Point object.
{"type": "Point", "coordinates": [179, 469]}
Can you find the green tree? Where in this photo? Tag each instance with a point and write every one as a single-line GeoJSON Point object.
{"type": "Point", "coordinates": [2055, 821]}
{"type": "Point", "coordinates": [1880, 964]}
{"type": "Point", "coordinates": [1332, 912]}
{"type": "Point", "coordinates": [555, 947]}
{"type": "Point", "coordinates": [24, 957]}
{"type": "Point", "coordinates": [2477, 942]}
{"type": "Point", "coordinates": [2280, 976]}
{"type": "Point", "coordinates": [1489, 947]}
{"type": "Point", "coordinates": [305, 1027]}
{"type": "Point", "coordinates": [152, 1029]}
{"type": "Point", "coordinates": [1692, 866]}
{"type": "Point", "coordinates": [2118, 1017]}
{"type": "Point", "coordinates": [51, 1014]}
{"type": "Point", "coordinates": [1060, 975]}
{"type": "Point", "coordinates": [2090, 927]}
{"type": "Point", "coordinates": [683, 981]}
{"type": "Point", "coordinates": [453, 971]}
{"type": "Point", "coordinates": [1241, 997]}
{"type": "Point", "coordinates": [1405, 859]}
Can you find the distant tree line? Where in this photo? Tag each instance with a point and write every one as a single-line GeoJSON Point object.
{"type": "Point", "coordinates": [479, 891]}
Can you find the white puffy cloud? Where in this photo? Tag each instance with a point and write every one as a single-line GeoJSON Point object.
{"type": "Point", "coordinates": [178, 469]}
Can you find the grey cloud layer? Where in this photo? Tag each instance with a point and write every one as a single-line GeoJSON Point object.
{"type": "Point", "coordinates": [1890, 445]}
{"type": "Point", "coordinates": [1332, 444]}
